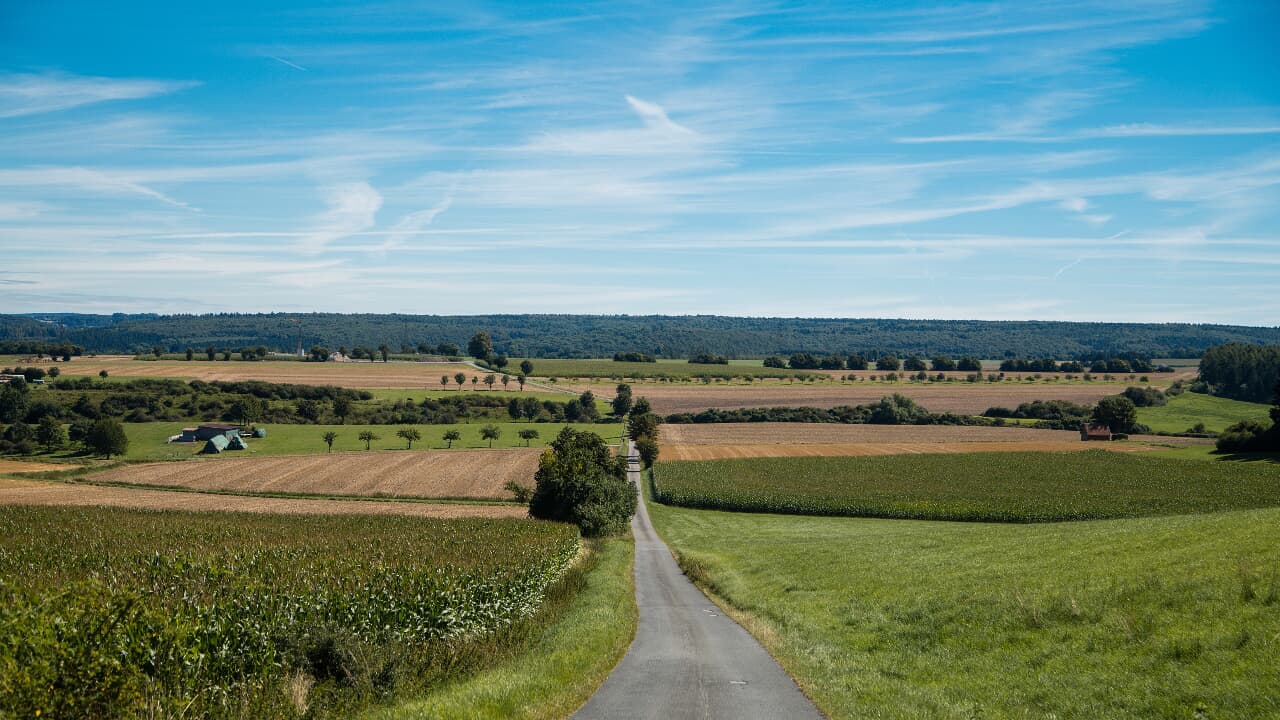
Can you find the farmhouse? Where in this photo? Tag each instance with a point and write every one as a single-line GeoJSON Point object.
{"type": "Point", "coordinates": [1094, 431]}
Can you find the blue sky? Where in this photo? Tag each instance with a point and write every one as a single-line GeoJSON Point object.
{"type": "Point", "coordinates": [1002, 160]}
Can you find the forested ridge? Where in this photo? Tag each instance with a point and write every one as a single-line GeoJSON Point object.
{"type": "Point", "coordinates": [570, 336]}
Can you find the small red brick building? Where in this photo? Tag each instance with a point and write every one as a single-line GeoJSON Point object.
{"type": "Point", "coordinates": [1094, 431]}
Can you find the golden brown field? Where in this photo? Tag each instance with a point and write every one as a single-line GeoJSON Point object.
{"type": "Point", "coordinates": [22, 466]}
{"type": "Point", "coordinates": [726, 452]}
{"type": "Point", "coordinates": [350, 374]}
{"type": "Point", "coordinates": [743, 440]}
{"type": "Point", "coordinates": [26, 492]}
{"type": "Point", "coordinates": [826, 433]}
{"type": "Point", "coordinates": [421, 474]}
{"type": "Point", "coordinates": [962, 398]}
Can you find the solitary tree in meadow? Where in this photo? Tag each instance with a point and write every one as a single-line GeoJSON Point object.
{"type": "Point", "coordinates": [386, 351]}
{"type": "Point", "coordinates": [368, 437]}
{"type": "Point", "coordinates": [490, 433]}
{"type": "Point", "coordinates": [451, 435]}
{"type": "Point", "coordinates": [444, 381]}
{"type": "Point", "coordinates": [103, 374]}
{"type": "Point", "coordinates": [474, 379]}
{"type": "Point", "coordinates": [460, 378]}
{"type": "Point", "coordinates": [328, 438]}
{"type": "Point", "coordinates": [190, 353]}
{"type": "Point", "coordinates": [522, 379]}
{"type": "Point", "coordinates": [211, 352]}
{"type": "Point", "coordinates": [526, 367]}
{"type": "Point", "coordinates": [409, 434]}
{"type": "Point", "coordinates": [528, 434]}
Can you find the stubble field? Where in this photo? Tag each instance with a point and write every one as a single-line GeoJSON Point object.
{"type": "Point", "coordinates": [964, 399]}
{"type": "Point", "coordinates": [414, 474]}
{"type": "Point", "coordinates": [27, 492]}
{"type": "Point", "coordinates": [350, 375]}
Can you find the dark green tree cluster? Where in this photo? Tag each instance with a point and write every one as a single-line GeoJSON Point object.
{"type": "Point", "coordinates": [1243, 372]}
{"type": "Point", "coordinates": [633, 357]}
{"type": "Point", "coordinates": [1253, 435]}
{"type": "Point", "coordinates": [581, 481]}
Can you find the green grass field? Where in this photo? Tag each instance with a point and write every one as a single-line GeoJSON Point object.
{"type": "Point", "coordinates": [110, 613]}
{"type": "Point", "coordinates": [1170, 617]}
{"type": "Point", "coordinates": [999, 487]}
{"type": "Point", "coordinates": [147, 440]}
{"type": "Point", "coordinates": [1184, 411]}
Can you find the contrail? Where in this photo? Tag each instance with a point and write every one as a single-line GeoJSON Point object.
{"type": "Point", "coordinates": [286, 62]}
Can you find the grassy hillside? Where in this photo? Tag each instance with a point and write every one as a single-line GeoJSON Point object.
{"type": "Point", "coordinates": [1008, 487]}
{"type": "Point", "coordinates": [1172, 617]}
{"type": "Point", "coordinates": [1184, 411]}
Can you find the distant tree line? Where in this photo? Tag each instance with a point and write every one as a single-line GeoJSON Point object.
{"type": "Point", "coordinates": [28, 347]}
{"type": "Point", "coordinates": [896, 409]}
{"type": "Point", "coordinates": [572, 336]}
{"type": "Point", "coordinates": [634, 357]}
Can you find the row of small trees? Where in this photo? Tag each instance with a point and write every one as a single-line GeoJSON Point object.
{"type": "Point", "coordinates": [412, 434]}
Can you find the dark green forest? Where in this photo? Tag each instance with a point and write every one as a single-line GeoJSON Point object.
{"type": "Point", "coordinates": [578, 336]}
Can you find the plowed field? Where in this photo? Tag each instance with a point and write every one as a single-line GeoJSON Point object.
{"type": "Point", "coordinates": [964, 399]}
{"type": "Point", "coordinates": [422, 474]}
{"type": "Point", "coordinates": [26, 492]}
{"type": "Point", "coordinates": [350, 374]}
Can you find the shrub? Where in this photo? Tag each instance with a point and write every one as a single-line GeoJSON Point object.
{"type": "Point", "coordinates": [581, 481]}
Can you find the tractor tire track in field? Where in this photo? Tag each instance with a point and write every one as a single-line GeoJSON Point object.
{"type": "Point", "coordinates": [688, 659]}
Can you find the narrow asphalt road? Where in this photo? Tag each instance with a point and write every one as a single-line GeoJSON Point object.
{"type": "Point", "coordinates": [689, 660]}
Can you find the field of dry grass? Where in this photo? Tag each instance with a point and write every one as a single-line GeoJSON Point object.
{"type": "Point", "coordinates": [22, 466]}
{"type": "Point", "coordinates": [420, 474]}
{"type": "Point", "coordinates": [747, 440]}
{"type": "Point", "coordinates": [824, 433]}
{"type": "Point", "coordinates": [727, 452]}
{"type": "Point", "coordinates": [965, 399]}
{"type": "Point", "coordinates": [27, 492]}
{"type": "Point", "coordinates": [417, 375]}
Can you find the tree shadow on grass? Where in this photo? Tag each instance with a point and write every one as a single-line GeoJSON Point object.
{"type": "Point", "coordinates": [1272, 458]}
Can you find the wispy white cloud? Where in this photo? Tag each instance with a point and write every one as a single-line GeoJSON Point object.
{"type": "Point", "coordinates": [656, 117]}
{"type": "Point", "coordinates": [26, 94]}
{"type": "Point", "coordinates": [352, 207]}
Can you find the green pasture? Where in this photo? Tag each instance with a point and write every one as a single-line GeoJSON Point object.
{"type": "Point", "coordinates": [147, 440]}
{"type": "Point", "coordinates": [1169, 617]}
{"type": "Point", "coordinates": [1186, 410]}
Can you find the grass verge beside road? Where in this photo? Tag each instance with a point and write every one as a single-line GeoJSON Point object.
{"type": "Point", "coordinates": [1137, 618]}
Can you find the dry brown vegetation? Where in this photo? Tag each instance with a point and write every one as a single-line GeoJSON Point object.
{"type": "Point", "coordinates": [726, 452]}
{"type": "Point", "coordinates": [825, 433]}
{"type": "Point", "coordinates": [22, 466]}
{"type": "Point", "coordinates": [350, 374]}
{"type": "Point", "coordinates": [966, 399]}
{"type": "Point", "coordinates": [421, 474]}
{"type": "Point", "coordinates": [26, 492]}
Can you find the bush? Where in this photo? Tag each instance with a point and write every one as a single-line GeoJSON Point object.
{"type": "Point", "coordinates": [581, 481]}
{"type": "Point", "coordinates": [647, 448]}
{"type": "Point", "coordinates": [1249, 436]}
{"type": "Point", "coordinates": [1145, 396]}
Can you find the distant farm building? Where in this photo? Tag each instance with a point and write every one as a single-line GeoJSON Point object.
{"type": "Point", "coordinates": [208, 432]}
{"type": "Point", "coordinates": [1094, 431]}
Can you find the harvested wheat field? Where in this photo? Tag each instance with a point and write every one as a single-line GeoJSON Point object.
{"type": "Point", "coordinates": [415, 474]}
{"type": "Point", "coordinates": [28, 492]}
{"type": "Point", "coordinates": [415, 375]}
{"type": "Point", "coordinates": [728, 452]}
{"type": "Point", "coordinates": [964, 399]}
{"type": "Point", "coordinates": [22, 466]}
{"type": "Point", "coordinates": [828, 433]}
